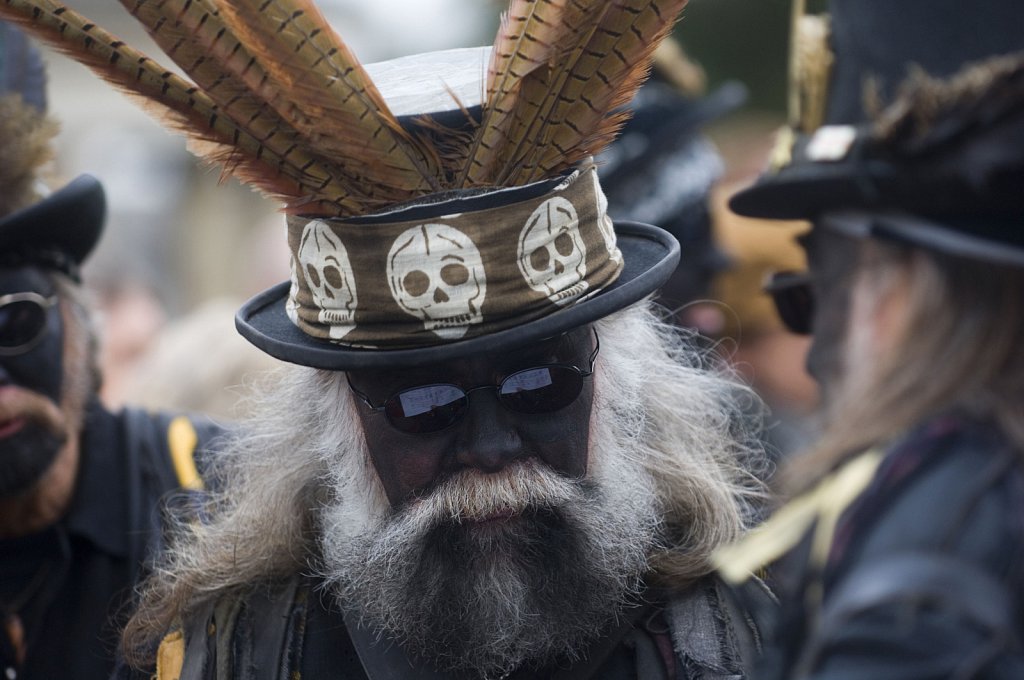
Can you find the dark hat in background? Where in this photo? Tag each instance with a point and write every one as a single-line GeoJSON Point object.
{"type": "Point", "coordinates": [912, 112]}
{"type": "Point", "coordinates": [662, 167]}
{"type": "Point", "coordinates": [56, 230]}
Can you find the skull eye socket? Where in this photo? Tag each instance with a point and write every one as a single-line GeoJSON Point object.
{"type": "Point", "coordinates": [314, 275]}
{"type": "Point", "coordinates": [333, 276]}
{"type": "Point", "coordinates": [540, 259]}
{"type": "Point", "coordinates": [564, 244]}
{"type": "Point", "coordinates": [416, 283]}
{"type": "Point", "coordinates": [454, 274]}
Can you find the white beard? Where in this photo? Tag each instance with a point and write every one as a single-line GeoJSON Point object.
{"type": "Point", "coordinates": [557, 562]}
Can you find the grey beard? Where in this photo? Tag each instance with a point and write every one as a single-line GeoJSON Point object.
{"type": "Point", "coordinates": [491, 596]}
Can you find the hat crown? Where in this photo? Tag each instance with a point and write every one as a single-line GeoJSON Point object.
{"type": "Point", "coordinates": [877, 42]}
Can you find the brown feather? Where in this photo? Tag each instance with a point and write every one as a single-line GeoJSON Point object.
{"type": "Point", "coordinates": [347, 116]}
{"type": "Point", "coordinates": [279, 171]}
{"type": "Point", "coordinates": [568, 113]}
{"type": "Point", "coordinates": [528, 41]}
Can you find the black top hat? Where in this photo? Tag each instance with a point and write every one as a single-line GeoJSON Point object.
{"type": "Point", "coordinates": [948, 153]}
{"type": "Point", "coordinates": [645, 255]}
{"type": "Point", "coordinates": [59, 231]}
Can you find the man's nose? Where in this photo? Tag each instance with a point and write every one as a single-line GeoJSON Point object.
{"type": "Point", "coordinates": [489, 438]}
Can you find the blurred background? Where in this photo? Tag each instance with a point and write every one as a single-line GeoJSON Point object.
{"type": "Point", "coordinates": [182, 248]}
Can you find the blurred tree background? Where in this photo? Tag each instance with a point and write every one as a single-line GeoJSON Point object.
{"type": "Point", "coordinates": [745, 40]}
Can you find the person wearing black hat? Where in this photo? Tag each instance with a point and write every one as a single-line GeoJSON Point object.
{"type": "Point", "coordinates": [901, 552]}
{"type": "Point", "coordinates": [78, 484]}
{"type": "Point", "coordinates": [492, 459]}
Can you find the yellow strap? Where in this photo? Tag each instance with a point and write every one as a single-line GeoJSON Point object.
{"type": "Point", "coordinates": [170, 657]}
{"type": "Point", "coordinates": [778, 535]}
{"type": "Point", "coordinates": [182, 440]}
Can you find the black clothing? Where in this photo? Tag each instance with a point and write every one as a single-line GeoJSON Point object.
{"type": "Point", "coordinates": [68, 585]}
{"type": "Point", "coordinates": [924, 576]}
{"type": "Point", "coordinates": [293, 629]}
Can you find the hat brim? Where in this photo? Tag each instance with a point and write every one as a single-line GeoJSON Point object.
{"type": "Point", "coordinates": [804, 191]}
{"type": "Point", "coordinates": [69, 220]}
{"type": "Point", "coordinates": [650, 255]}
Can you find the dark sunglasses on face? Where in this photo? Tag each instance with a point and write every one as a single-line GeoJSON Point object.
{"type": "Point", "coordinates": [794, 299]}
{"type": "Point", "coordinates": [431, 408]}
{"type": "Point", "coordinates": [23, 321]}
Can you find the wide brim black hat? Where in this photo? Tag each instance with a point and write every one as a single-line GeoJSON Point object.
{"type": "Point", "coordinates": [649, 254]}
{"type": "Point", "coordinates": [59, 231]}
{"type": "Point", "coordinates": [877, 46]}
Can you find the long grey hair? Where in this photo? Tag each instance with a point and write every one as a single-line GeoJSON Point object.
{"type": "Point", "coordinates": [684, 422]}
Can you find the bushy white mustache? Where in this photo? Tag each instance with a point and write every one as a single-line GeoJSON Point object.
{"type": "Point", "coordinates": [473, 496]}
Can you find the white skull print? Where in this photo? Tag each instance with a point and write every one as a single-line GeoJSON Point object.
{"type": "Point", "coordinates": [552, 255]}
{"type": "Point", "coordinates": [437, 275]}
{"type": "Point", "coordinates": [605, 224]}
{"type": "Point", "coordinates": [324, 262]}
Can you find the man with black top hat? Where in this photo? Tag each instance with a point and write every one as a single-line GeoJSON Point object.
{"type": "Point", "coordinates": [493, 460]}
{"type": "Point", "coordinates": [78, 485]}
{"type": "Point", "coordinates": [901, 552]}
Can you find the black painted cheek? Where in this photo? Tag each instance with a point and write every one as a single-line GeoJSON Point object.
{"type": "Point", "coordinates": [41, 369]}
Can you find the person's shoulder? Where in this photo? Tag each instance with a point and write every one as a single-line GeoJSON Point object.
{"type": "Point", "coordinates": [716, 631]}
{"type": "Point", "coordinates": [952, 486]}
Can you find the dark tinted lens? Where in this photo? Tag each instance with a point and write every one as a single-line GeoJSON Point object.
{"type": "Point", "coordinates": [21, 322]}
{"type": "Point", "coordinates": [541, 390]}
{"type": "Point", "coordinates": [426, 409]}
{"type": "Point", "coordinates": [793, 300]}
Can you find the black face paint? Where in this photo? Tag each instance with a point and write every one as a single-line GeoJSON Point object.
{"type": "Point", "coordinates": [28, 446]}
{"type": "Point", "coordinates": [40, 369]}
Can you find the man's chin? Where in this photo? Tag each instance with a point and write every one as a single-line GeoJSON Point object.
{"type": "Point", "coordinates": [27, 450]}
{"type": "Point", "coordinates": [530, 577]}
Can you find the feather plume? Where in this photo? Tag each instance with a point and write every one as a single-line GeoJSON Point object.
{"type": "Point", "coordinates": [930, 113]}
{"type": "Point", "coordinates": [284, 105]}
{"type": "Point", "coordinates": [528, 40]}
{"type": "Point", "coordinates": [970, 126]}
{"type": "Point", "coordinates": [193, 34]}
{"type": "Point", "coordinates": [273, 166]}
{"type": "Point", "coordinates": [348, 117]}
{"type": "Point", "coordinates": [568, 111]}
{"type": "Point", "coordinates": [25, 147]}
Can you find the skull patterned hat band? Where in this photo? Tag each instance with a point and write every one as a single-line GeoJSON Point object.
{"type": "Point", "coordinates": [422, 290]}
{"type": "Point", "coordinates": [454, 274]}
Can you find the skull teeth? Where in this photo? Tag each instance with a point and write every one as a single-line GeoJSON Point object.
{"type": "Point", "coordinates": [458, 320]}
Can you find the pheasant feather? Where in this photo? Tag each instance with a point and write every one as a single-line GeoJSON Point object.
{"type": "Point", "coordinates": [528, 41]}
{"type": "Point", "coordinates": [569, 112]}
{"type": "Point", "coordinates": [350, 120]}
{"type": "Point", "coordinates": [284, 105]}
{"type": "Point", "coordinates": [273, 166]}
{"type": "Point", "coordinates": [196, 37]}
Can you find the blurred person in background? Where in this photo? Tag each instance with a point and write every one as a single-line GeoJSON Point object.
{"type": "Point", "coordinates": [752, 337]}
{"type": "Point", "coordinates": [901, 551]}
{"type": "Point", "coordinates": [662, 168]}
{"type": "Point", "coordinates": [78, 484]}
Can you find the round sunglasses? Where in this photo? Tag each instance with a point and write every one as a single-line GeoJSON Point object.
{"type": "Point", "coordinates": [431, 408]}
{"type": "Point", "coordinates": [23, 321]}
{"type": "Point", "coordinates": [794, 300]}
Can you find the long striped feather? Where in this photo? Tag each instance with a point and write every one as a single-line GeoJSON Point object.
{"type": "Point", "coordinates": [528, 41]}
{"type": "Point", "coordinates": [352, 123]}
{"type": "Point", "coordinates": [273, 166]}
{"type": "Point", "coordinates": [570, 113]}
